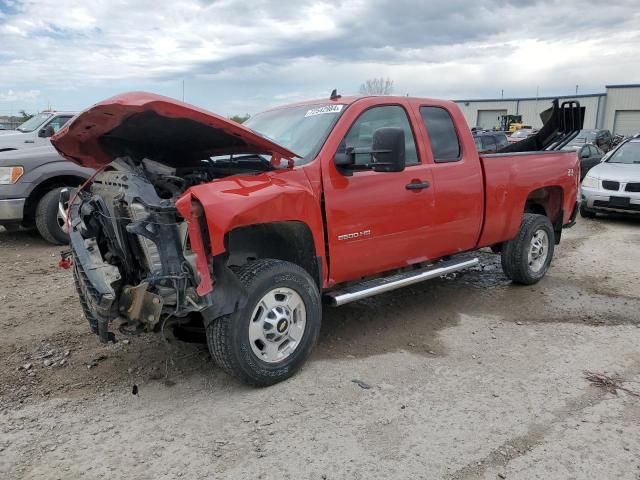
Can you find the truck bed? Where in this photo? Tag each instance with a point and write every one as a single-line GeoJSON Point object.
{"type": "Point", "coordinates": [511, 179]}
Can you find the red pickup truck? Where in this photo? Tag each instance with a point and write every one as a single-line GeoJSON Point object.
{"type": "Point", "coordinates": [249, 227]}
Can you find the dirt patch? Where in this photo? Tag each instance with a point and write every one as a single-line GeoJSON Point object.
{"type": "Point", "coordinates": [458, 370]}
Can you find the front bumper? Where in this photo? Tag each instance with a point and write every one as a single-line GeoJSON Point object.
{"type": "Point", "coordinates": [11, 210]}
{"type": "Point", "coordinates": [93, 279]}
{"type": "Point", "coordinates": [598, 199]}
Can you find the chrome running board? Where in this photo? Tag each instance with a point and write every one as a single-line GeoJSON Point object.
{"type": "Point", "coordinates": [369, 288]}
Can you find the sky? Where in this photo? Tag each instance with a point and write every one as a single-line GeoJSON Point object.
{"type": "Point", "coordinates": [237, 57]}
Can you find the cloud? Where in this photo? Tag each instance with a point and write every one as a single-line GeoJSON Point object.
{"type": "Point", "coordinates": [248, 55]}
{"type": "Point", "coordinates": [18, 95]}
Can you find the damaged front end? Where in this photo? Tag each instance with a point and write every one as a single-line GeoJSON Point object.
{"type": "Point", "coordinates": [132, 257]}
{"type": "Point", "coordinates": [139, 240]}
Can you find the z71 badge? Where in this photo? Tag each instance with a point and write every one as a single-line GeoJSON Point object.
{"type": "Point", "coordinates": [351, 236]}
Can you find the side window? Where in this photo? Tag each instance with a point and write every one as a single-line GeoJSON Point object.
{"type": "Point", "coordinates": [58, 122]}
{"type": "Point", "coordinates": [361, 132]}
{"type": "Point", "coordinates": [443, 137]}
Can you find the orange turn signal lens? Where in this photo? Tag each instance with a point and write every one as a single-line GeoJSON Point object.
{"type": "Point", "coordinates": [10, 175]}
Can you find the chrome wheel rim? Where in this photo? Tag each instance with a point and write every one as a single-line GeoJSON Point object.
{"type": "Point", "coordinates": [61, 215]}
{"type": "Point", "coordinates": [277, 325]}
{"type": "Point", "coordinates": [538, 251]}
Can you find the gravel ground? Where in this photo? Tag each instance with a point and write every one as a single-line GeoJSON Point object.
{"type": "Point", "coordinates": [465, 377]}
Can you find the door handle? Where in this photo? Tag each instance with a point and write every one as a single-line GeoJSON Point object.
{"type": "Point", "coordinates": [417, 185]}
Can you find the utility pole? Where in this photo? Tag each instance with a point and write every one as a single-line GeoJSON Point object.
{"type": "Point", "coordinates": [502, 94]}
{"type": "Point", "coordinates": [576, 90]}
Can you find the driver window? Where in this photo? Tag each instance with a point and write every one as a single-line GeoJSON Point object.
{"type": "Point", "coordinates": [361, 132]}
{"type": "Point", "coordinates": [58, 122]}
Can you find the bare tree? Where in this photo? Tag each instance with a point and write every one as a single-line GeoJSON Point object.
{"type": "Point", "coordinates": [377, 86]}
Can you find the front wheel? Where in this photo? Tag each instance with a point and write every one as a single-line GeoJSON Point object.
{"type": "Point", "coordinates": [526, 258]}
{"type": "Point", "coordinates": [49, 219]}
{"type": "Point", "coordinates": [268, 339]}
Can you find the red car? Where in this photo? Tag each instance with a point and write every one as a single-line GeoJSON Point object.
{"type": "Point", "coordinates": [249, 227]}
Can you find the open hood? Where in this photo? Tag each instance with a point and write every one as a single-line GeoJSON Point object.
{"type": "Point", "coordinates": [145, 125]}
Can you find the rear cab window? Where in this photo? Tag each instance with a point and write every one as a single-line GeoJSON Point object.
{"type": "Point", "coordinates": [443, 137]}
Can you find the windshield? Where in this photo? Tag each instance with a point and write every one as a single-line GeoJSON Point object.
{"type": "Point", "coordinates": [34, 122]}
{"type": "Point", "coordinates": [521, 134]}
{"type": "Point", "coordinates": [478, 143]}
{"type": "Point", "coordinates": [301, 129]}
{"type": "Point", "coordinates": [627, 153]}
{"type": "Point", "coordinates": [572, 147]}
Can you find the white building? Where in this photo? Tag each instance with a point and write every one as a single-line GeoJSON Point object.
{"type": "Point", "coordinates": [617, 109]}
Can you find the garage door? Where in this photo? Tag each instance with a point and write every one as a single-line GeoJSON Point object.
{"type": "Point", "coordinates": [627, 122]}
{"type": "Point", "coordinates": [489, 118]}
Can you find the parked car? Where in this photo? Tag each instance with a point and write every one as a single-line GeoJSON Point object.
{"type": "Point", "coordinates": [589, 156]}
{"type": "Point", "coordinates": [3, 126]}
{"type": "Point", "coordinates": [249, 226]}
{"type": "Point", "coordinates": [34, 132]}
{"type": "Point", "coordinates": [30, 183]}
{"type": "Point", "coordinates": [614, 184]}
{"type": "Point", "coordinates": [600, 138]}
{"type": "Point", "coordinates": [521, 134]}
{"type": "Point", "coordinates": [490, 142]}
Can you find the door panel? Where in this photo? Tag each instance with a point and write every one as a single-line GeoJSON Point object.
{"type": "Point", "coordinates": [456, 217]}
{"type": "Point", "coordinates": [374, 222]}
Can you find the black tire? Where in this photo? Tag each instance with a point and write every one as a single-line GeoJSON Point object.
{"type": "Point", "coordinates": [586, 213]}
{"type": "Point", "coordinates": [515, 253]}
{"type": "Point", "coordinates": [228, 336]}
{"type": "Point", "coordinates": [47, 218]}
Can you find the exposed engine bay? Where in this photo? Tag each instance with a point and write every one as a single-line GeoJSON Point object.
{"type": "Point", "coordinates": [132, 255]}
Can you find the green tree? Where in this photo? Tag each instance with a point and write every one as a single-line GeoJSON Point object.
{"type": "Point", "coordinates": [240, 118]}
{"type": "Point", "coordinates": [24, 115]}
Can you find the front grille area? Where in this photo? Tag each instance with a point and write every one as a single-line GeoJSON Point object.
{"type": "Point", "coordinates": [633, 187]}
{"type": "Point", "coordinates": [150, 249]}
{"type": "Point", "coordinates": [632, 207]}
{"type": "Point", "coordinates": [609, 185]}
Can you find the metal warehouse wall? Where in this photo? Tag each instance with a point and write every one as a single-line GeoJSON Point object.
{"type": "Point", "coordinates": [530, 108]}
{"type": "Point", "coordinates": [624, 97]}
{"type": "Point", "coordinates": [470, 111]}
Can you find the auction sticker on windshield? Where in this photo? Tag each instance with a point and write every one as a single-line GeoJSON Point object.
{"type": "Point", "coordinates": [324, 109]}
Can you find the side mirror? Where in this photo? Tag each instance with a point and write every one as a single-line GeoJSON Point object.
{"type": "Point", "coordinates": [344, 159]}
{"type": "Point", "coordinates": [388, 152]}
{"type": "Point", "coordinates": [584, 155]}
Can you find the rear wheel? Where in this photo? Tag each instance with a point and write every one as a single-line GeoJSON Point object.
{"type": "Point", "coordinates": [49, 220]}
{"type": "Point", "coordinates": [268, 339]}
{"type": "Point", "coordinates": [586, 213]}
{"type": "Point", "coordinates": [526, 258]}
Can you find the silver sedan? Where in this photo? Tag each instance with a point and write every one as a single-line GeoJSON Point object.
{"type": "Point", "coordinates": [614, 184]}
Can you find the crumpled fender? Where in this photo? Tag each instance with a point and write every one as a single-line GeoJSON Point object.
{"type": "Point", "coordinates": [276, 196]}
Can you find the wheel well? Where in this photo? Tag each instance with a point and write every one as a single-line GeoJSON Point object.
{"type": "Point", "coordinates": [44, 187]}
{"type": "Point", "coordinates": [547, 201]}
{"type": "Point", "coordinates": [291, 241]}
